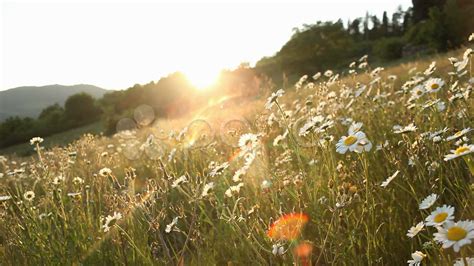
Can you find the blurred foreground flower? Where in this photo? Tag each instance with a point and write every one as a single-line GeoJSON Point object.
{"type": "Point", "coordinates": [302, 253]}
{"type": "Point", "coordinates": [288, 227]}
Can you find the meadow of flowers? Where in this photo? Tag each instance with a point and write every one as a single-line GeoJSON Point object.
{"type": "Point", "coordinates": [368, 166]}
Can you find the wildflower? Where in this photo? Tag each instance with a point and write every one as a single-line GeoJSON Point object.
{"type": "Point", "coordinates": [266, 184]}
{"type": "Point", "coordinates": [328, 73]}
{"type": "Point", "coordinates": [278, 249]}
{"type": "Point", "coordinates": [428, 201]}
{"type": "Point", "coordinates": [273, 98]}
{"type": "Point", "coordinates": [440, 216]}
{"type": "Point", "coordinates": [77, 180]}
{"type": "Point", "coordinates": [29, 195]}
{"type": "Point", "coordinates": [441, 106]}
{"type": "Point", "coordinates": [316, 76]}
{"type": "Point", "coordinates": [177, 182]}
{"type": "Point", "coordinates": [58, 180]}
{"type": "Point", "coordinates": [111, 220]}
{"type": "Point", "coordinates": [459, 134]}
{"type": "Point", "coordinates": [417, 257]}
{"type": "Point", "coordinates": [397, 129]}
{"type": "Point", "coordinates": [456, 234]}
{"type": "Point", "coordinates": [434, 85]}
{"type": "Point", "coordinates": [219, 169]}
{"type": "Point", "coordinates": [233, 190]}
{"type": "Point", "coordinates": [414, 230]}
{"type": "Point", "coordinates": [105, 172]}
{"type": "Point", "coordinates": [36, 140]}
{"type": "Point", "coordinates": [389, 179]}
{"type": "Point", "coordinates": [303, 253]}
{"type": "Point", "coordinates": [460, 151]}
{"type": "Point", "coordinates": [238, 174]}
{"type": "Point", "coordinates": [5, 198]}
{"type": "Point", "coordinates": [430, 70]}
{"type": "Point", "coordinates": [74, 194]}
{"type": "Point", "coordinates": [460, 261]}
{"type": "Point", "coordinates": [170, 226]}
{"type": "Point", "coordinates": [355, 141]}
{"type": "Point", "coordinates": [248, 143]}
{"type": "Point", "coordinates": [206, 189]}
{"type": "Point", "coordinates": [288, 227]}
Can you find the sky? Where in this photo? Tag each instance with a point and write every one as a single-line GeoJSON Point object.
{"type": "Point", "coordinates": [116, 44]}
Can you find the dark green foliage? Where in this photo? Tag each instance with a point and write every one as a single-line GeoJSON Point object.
{"type": "Point", "coordinates": [388, 48]}
{"type": "Point", "coordinates": [427, 27]}
{"type": "Point", "coordinates": [81, 109]}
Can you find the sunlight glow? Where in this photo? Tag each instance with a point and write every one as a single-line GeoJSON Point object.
{"type": "Point", "coordinates": [202, 78]}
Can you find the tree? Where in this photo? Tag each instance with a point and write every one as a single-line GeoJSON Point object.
{"type": "Point", "coordinates": [80, 108]}
{"type": "Point", "coordinates": [421, 8]}
{"type": "Point", "coordinates": [385, 25]}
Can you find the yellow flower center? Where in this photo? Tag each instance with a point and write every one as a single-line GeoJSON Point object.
{"type": "Point", "coordinates": [456, 233]}
{"type": "Point", "coordinates": [461, 150]}
{"type": "Point", "coordinates": [434, 86]}
{"type": "Point", "coordinates": [440, 217]}
{"type": "Point", "coordinates": [419, 92]}
{"type": "Point", "coordinates": [350, 140]}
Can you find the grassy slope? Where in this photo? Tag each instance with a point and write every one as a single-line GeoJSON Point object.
{"type": "Point", "coordinates": [369, 228]}
{"type": "Point", "coordinates": [59, 139]}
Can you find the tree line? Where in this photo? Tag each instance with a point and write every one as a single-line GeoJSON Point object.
{"type": "Point", "coordinates": [425, 28]}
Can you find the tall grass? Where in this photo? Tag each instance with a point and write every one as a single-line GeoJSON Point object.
{"type": "Point", "coordinates": [353, 219]}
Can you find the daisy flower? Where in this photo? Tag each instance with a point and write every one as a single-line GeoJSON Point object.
{"type": "Point", "coordinates": [389, 179]}
{"type": "Point", "coordinates": [351, 142]}
{"type": "Point", "coordinates": [434, 85]}
{"type": "Point", "coordinates": [5, 198]}
{"type": "Point", "coordinates": [417, 257]}
{"type": "Point", "coordinates": [248, 142]}
{"type": "Point", "coordinates": [111, 220]}
{"type": "Point", "coordinates": [417, 92]}
{"type": "Point", "coordinates": [431, 69]}
{"type": "Point", "coordinates": [459, 134]}
{"type": "Point", "coordinates": [105, 172]}
{"type": "Point", "coordinates": [206, 189]}
{"type": "Point", "coordinates": [288, 227]}
{"type": "Point", "coordinates": [414, 230]}
{"type": "Point", "coordinates": [460, 262]}
{"type": "Point", "coordinates": [170, 226]}
{"type": "Point", "coordinates": [272, 99]}
{"type": "Point", "coordinates": [29, 195]}
{"type": "Point", "coordinates": [36, 140]}
{"type": "Point", "coordinates": [440, 216]}
{"type": "Point", "coordinates": [179, 181]}
{"type": "Point", "coordinates": [397, 129]}
{"type": "Point", "coordinates": [460, 151]}
{"type": "Point", "coordinates": [428, 201]}
{"type": "Point", "coordinates": [233, 190]}
{"type": "Point", "coordinates": [278, 249]}
{"type": "Point", "coordinates": [219, 169]}
{"type": "Point", "coordinates": [456, 234]}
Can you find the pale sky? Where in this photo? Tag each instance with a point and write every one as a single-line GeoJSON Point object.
{"type": "Point", "coordinates": [115, 44]}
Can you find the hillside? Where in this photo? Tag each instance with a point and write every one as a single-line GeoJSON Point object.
{"type": "Point", "coordinates": [371, 168]}
{"type": "Point", "coordinates": [28, 101]}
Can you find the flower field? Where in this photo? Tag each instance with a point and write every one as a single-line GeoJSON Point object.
{"type": "Point", "coordinates": [363, 167]}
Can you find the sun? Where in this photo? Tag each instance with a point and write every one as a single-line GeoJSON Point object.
{"type": "Point", "coordinates": [202, 78]}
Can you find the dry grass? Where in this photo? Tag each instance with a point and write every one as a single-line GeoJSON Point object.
{"type": "Point", "coordinates": [158, 183]}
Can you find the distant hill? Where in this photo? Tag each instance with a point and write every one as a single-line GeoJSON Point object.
{"type": "Point", "coordinates": [28, 101]}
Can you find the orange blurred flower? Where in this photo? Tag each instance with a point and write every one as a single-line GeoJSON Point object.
{"type": "Point", "coordinates": [288, 227]}
{"type": "Point", "coordinates": [302, 253]}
